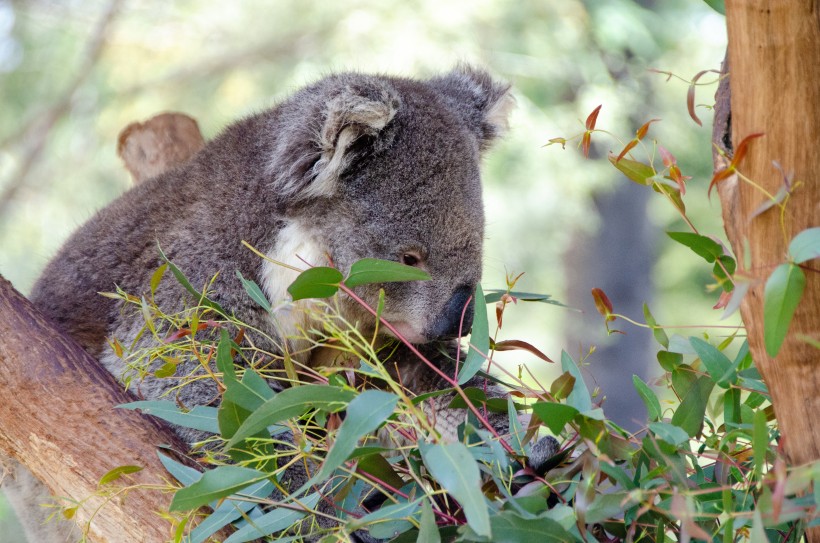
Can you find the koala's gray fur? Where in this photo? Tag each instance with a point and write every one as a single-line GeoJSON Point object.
{"type": "Point", "coordinates": [350, 167]}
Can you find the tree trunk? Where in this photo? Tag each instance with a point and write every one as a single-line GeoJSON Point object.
{"type": "Point", "coordinates": [59, 420]}
{"type": "Point", "coordinates": [58, 413]}
{"type": "Point", "coordinates": [774, 67]}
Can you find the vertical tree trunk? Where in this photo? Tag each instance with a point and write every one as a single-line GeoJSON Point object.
{"type": "Point", "coordinates": [774, 67]}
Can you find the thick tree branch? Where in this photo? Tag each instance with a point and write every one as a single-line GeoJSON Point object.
{"type": "Point", "coordinates": [58, 413]}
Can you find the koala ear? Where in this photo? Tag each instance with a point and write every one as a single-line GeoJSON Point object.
{"type": "Point", "coordinates": [484, 103]}
{"type": "Point", "coordinates": [348, 112]}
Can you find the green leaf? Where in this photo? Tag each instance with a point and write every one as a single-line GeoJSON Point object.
{"type": "Point", "coordinates": [717, 364]}
{"type": "Point", "coordinates": [668, 360]}
{"type": "Point", "coordinates": [319, 282]}
{"type": "Point", "coordinates": [373, 270]}
{"type": "Point", "coordinates": [517, 431]}
{"type": "Point", "coordinates": [579, 398]}
{"type": "Point", "coordinates": [634, 170]}
{"type": "Point", "coordinates": [387, 520]}
{"type": "Point", "coordinates": [230, 510]}
{"type": "Point", "coordinates": [199, 418]}
{"type": "Point", "coordinates": [292, 402]}
{"type": "Point", "coordinates": [274, 521]}
{"type": "Point", "coordinates": [669, 433]}
{"type": "Point", "coordinates": [224, 358]}
{"type": "Point", "coordinates": [508, 527]}
{"type": "Point", "coordinates": [118, 472]}
{"type": "Point", "coordinates": [780, 298]}
{"type": "Point", "coordinates": [705, 247]}
{"type": "Point", "coordinates": [659, 333]}
{"type": "Point", "coordinates": [376, 465]}
{"type": "Point", "coordinates": [653, 406]}
{"type": "Point", "coordinates": [479, 340]}
{"type": "Point", "coordinates": [182, 280]}
{"type": "Point", "coordinates": [723, 270]}
{"type": "Point", "coordinates": [453, 467]}
{"type": "Point", "coordinates": [255, 292]}
{"type": "Point", "coordinates": [554, 415]}
{"type": "Point", "coordinates": [607, 506]}
{"type": "Point", "coordinates": [182, 473]}
{"type": "Point", "coordinates": [215, 484]}
{"type": "Point", "coordinates": [760, 442]}
{"type": "Point", "coordinates": [692, 409]}
{"type": "Point", "coordinates": [157, 276]}
{"type": "Point", "coordinates": [428, 531]}
{"type": "Point", "coordinates": [365, 413]}
{"type": "Point", "coordinates": [805, 245]}
{"type": "Point", "coordinates": [249, 393]}
{"type": "Point", "coordinates": [494, 295]}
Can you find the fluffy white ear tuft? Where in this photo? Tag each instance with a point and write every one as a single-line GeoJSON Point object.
{"type": "Point", "coordinates": [359, 111]}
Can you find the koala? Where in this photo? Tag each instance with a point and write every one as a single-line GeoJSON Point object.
{"type": "Point", "coordinates": [352, 166]}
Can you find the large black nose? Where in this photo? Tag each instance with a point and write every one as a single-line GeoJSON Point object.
{"type": "Point", "coordinates": [449, 322]}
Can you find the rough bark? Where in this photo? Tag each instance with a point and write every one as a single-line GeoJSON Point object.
{"type": "Point", "coordinates": [58, 417]}
{"type": "Point", "coordinates": [59, 420]}
{"type": "Point", "coordinates": [774, 60]}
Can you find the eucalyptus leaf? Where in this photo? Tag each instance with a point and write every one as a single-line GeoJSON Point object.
{"type": "Point", "coordinates": [373, 270]}
{"type": "Point", "coordinates": [318, 282]}
{"type": "Point", "coordinates": [365, 413]}
{"type": "Point", "coordinates": [454, 468]}
{"type": "Point", "coordinates": [780, 298]}
{"type": "Point", "coordinates": [255, 292]}
{"type": "Point", "coordinates": [214, 484]}
{"type": "Point", "coordinates": [201, 417]}
{"type": "Point", "coordinates": [805, 245]}
{"type": "Point", "coordinates": [274, 521]}
{"type": "Point", "coordinates": [292, 402]}
{"type": "Point", "coordinates": [479, 340]}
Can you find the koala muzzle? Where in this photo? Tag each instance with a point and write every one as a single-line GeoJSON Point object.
{"type": "Point", "coordinates": [449, 322]}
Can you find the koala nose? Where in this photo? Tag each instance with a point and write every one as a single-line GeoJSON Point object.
{"type": "Point", "coordinates": [449, 322]}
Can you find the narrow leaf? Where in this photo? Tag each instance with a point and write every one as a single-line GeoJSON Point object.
{"type": "Point", "coordinates": [428, 531]}
{"type": "Point", "coordinates": [579, 398]}
{"type": "Point", "coordinates": [365, 413]}
{"type": "Point", "coordinates": [201, 417]}
{"type": "Point", "coordinates": [274, 521]}
{"type": "Point", "coordinates": [255, 292]}
{"type": "Point", "coordinates": [593, 118]}
{"type": "Point", "coordinates": [479, 340]}
{"type": "Point", "coordinates": [635, 171]}
{"type": "Point", "coordinates": [703, 246]}
{"type": "Point", "coordinates": [214, 484]}
{"type": "Point", "coordinates": [717, 364]}
{"type": "Point", "coordinates": [372, 270]}
{"type": "Point", "coordinates": [517, 344]}
{"type": "Point", "coordinates": [780, 298]}
{"type": "Point", "coordinates": [805, 245]}
{"type": "Point", "coordinates": [454, 468]}
{"type": "Point", "coordinates": [118, 472]}
{"type": "Point", "coordinates": [292, 402]}
{"type": "Point", "coordinates": [653, 406]}
{"type": "Point", "coordinates": [230, 510]}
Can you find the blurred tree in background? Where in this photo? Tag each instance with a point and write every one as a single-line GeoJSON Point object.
{"type": "Point", "coordinates": [74, 73]}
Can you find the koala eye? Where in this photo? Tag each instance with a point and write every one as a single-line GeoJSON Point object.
{"type": "Point", "coordinates": [410, 259]}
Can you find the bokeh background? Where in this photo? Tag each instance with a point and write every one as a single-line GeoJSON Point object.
{"type": "Point", "coordinates": [73, 73]}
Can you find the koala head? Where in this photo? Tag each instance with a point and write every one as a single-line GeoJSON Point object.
{"type": "Point", "coordinates": [389, 168]}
